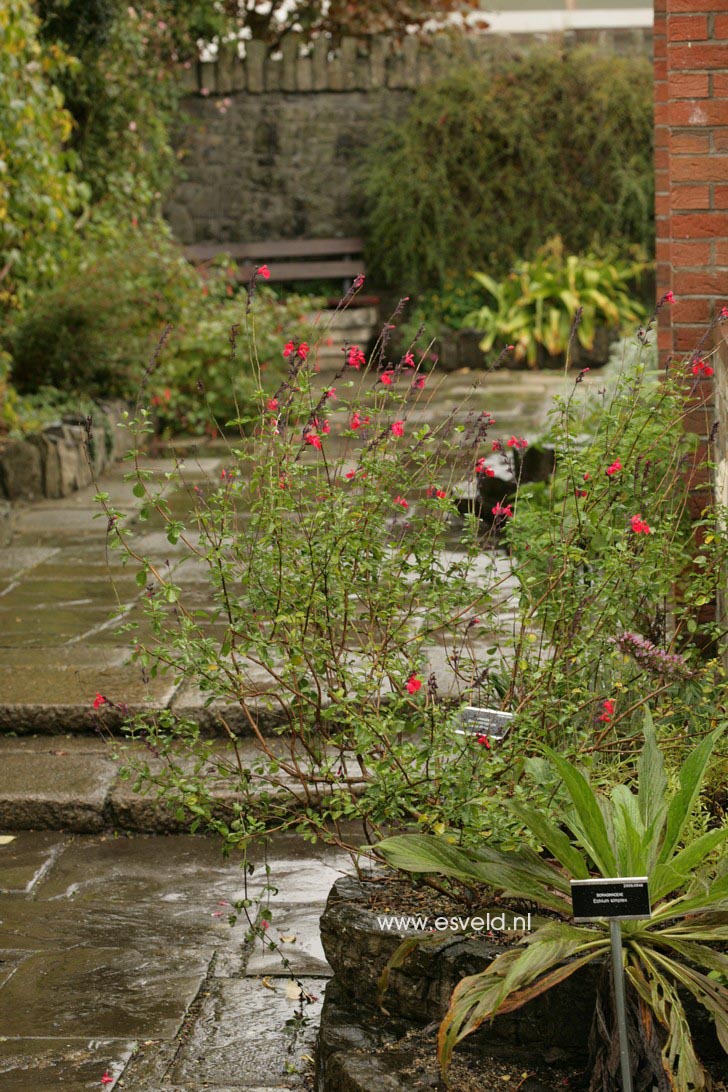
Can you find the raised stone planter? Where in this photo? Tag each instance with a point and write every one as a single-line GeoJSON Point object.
{"type": "Point", "coordinates": [461, 349]}
{"type": "Point", "coordinates": [365, 1049]}
{"type": "Point", "coordinates": [63, 457]}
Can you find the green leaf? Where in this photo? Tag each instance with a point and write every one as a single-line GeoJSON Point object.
{"type": "Point", "coordinates": [666, 878]}
{"type": "Point", "coordinates": [681, 805]}
{"type": "Point", "coordinates": [552, 838]}
{"type": "Point", "coordinates": [652, 790]}
{"type": "Point", "coordinates": [587, 823]}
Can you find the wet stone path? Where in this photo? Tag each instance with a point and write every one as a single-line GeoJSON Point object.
{"type": "Point", "coordinates": [117, 959]}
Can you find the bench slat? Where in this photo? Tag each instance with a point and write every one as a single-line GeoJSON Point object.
{"type": "Point", "coordinates": [264, 250]}
{"type": "Point", "coordinates": [306, 271]}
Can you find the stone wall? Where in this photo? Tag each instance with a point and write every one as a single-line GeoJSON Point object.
{"type": "Point", "coordinates": [62, 458]}
{"type": "Point", "coordinates": [270, 148]}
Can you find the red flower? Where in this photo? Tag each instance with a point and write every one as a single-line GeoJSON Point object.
{"type": "Point", "coordinates": [99, 700]}
{"type": "Point", "coordinates": [331, 392]}
{"type": "Point", "coordinates": [607, 710]}
{"type": "Point", "coordinates": [263, 271]}
{"type": "Point", "coordinates": [272, 404]}
{"type": "Point", "coordinates": [398, 428]}
{"type": "Point", "coordinates": [358, 280]}
{"type": "Point", "coordinates": [106, 1079]}
{"type": "Point", "coordinates": [386, 378]}
{"type": "Point", "coordinates": [587, 476]}
{"type": "Point", "coordinates": [409, 361]}
{"type": "Point", "coordinates": [288, 349]}
{"type": "Point", "coordinates": [325, 427]}
{"type": "Point", "coordinates": [497, 445]}
{"type": "Point", "coordinates": [724, 312]}
{"type": "Point", "coordinates": [303, 350]}
{"type": "Point", "coordinates": [413, 684]}
{"type": "Point", "coordinates": [614, 468]}
{"type": "Point", "coordinates": [484, 741]}
{"type": "Point", "coordinates": [701, 368]}
{"type": "Point", "coordinates": [581, 492]}
{"type": "Point", "coordinates": [500, 510]}
{"type": "Point", "coordinates": [350, 474]}
{"type": "Point", "coordinates": [418, 383]}
{"type": "Point", "coordinates": [481, 468]}
{"type": "Point", "coordinates": [518, 442]}
{"type": "Point", "coordinates": [639, 526]}
{"type": "Point", "coordinates": [668, 297]}
{"type": "Point", "coordinates": [314, 440]}
{"type": "Point", "coordinates": [355, 357]}
{"type": "Point", "coordinates": [402, 501]}
{"type": "Point", "coordinates": [357, 421]}
{"type": "Point", "coordinates": [433, 491]}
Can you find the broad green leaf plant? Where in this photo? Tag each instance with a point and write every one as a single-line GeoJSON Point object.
{"type": "Point", "coordinates": [639, 829]}
{"type": "Point", "coordinates": [533, 308]}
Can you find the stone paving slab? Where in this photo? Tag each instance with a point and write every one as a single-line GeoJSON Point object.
{"type": "Point", "coordinates": [102, 992]}
{"type": "Point", "coordinates": [26, 860]}
{"type": "Point", "coordinates": [75, 1064]}
{"type": "Point", "coordinates": [295, 932]}
{"type": "Point", "coordinates": [221, 1049]}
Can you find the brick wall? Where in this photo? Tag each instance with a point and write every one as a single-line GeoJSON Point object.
{"type": "Point", "coordinates": [691, 166]}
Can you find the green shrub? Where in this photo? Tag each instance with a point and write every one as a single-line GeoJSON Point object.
{"type": "Point", "coordinates": [488, 164]}
{"type": "Point", "coordinates": [94, 332]}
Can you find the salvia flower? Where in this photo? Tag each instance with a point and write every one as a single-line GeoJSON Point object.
{"type": "Point", "coordinates": [263, 271]}
{"type": "Point", "coordinates": [502, 510]}
{"type": "Point", "coordinates": [639, 526]}
{"type": "Point", "coordinates": [518, 442]}
{"type": "Point", "coordinates": [289, 349]}
{"type": "Point", "coordinates": [386, 378]}
{"type": "Point", "coordinates": [402, 502]}
{"type": "Point", "coordinates": [419, 383]}
{"type": "Point", "coordinates": [481, 467]}
{"type": "Point", "coordinates": [614, 468]}
{"type": "Point", "coordinates": [314, 440]}
{"type": "Point", "coordinates": [398, 428]}
{"type": "Point", "coordinates": [669, 297]}
{"type": "Point", "coordinates": [413, 684]}
{"type": "Point", "coordinates": [100, 700]}
{"type": "Point", "coordinates": [607, 711]}
{"type": "Point", "coordinates": [408, 360]}
{"type": "Point", "coordinates": [355, 357]}
{"type": "Point", "coordinates": [700, 368]}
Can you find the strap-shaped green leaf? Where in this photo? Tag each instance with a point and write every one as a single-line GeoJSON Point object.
{"type": "Point", "coordinates": [652, 789]}
{"type": "Point", "coordinates": [682, 804]}
{"type": "Point", "coordinates": [588, 823]}
{"type": "Point", "coordinates": [552, 838]}
{"type": "Point", "coordinates": [666, 878]}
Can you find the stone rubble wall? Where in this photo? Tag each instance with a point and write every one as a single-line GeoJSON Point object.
{"type": "Point", "coordinates": [59, 460]}
{"type": "Point", "coordinates": [270, 147]}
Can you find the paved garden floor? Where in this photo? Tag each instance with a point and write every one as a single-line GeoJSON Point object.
{"type": "Point", "coordinates": [118, 961]}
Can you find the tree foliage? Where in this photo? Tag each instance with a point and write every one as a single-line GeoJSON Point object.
{"type": "Point", "coordinates": [39, 196]}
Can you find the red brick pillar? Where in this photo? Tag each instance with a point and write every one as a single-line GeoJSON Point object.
{"type": "Point", "coordinates": [691, 173]}
{"type": "Point", "coordinates": [691, 165]}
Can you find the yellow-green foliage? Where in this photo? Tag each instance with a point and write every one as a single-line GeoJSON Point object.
{"type": "Point", "coordinates": [38, 193]}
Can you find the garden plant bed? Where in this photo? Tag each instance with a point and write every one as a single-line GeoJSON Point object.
{"type": "Point", "coordinates": [367, 1048]}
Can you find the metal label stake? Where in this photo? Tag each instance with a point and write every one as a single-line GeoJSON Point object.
{"type": "Point", "coordinates": [625, 898]}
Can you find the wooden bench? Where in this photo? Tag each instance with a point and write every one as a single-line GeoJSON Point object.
{"type": "Point", "coordinates": [288, 259]}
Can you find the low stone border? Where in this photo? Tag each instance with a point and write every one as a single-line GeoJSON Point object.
{"type": "Point", "coordinates": [354, 1029]}
{"type": "Point", "coordinates": [63, 457]}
